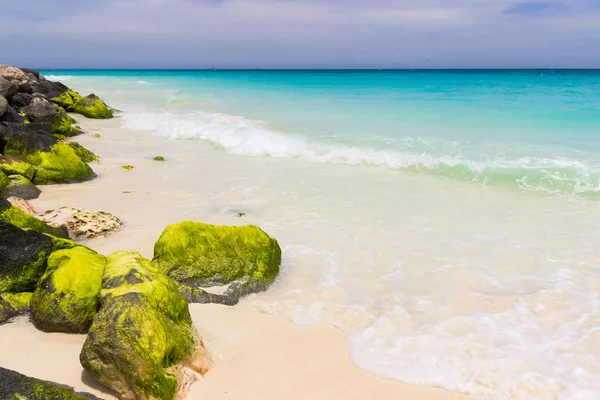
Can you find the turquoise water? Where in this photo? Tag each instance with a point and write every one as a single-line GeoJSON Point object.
{"type": "Point", "coordinates": [535, 130]}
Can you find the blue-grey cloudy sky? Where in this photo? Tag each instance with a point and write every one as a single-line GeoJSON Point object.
{"type": "Point", "coordinates": [300, 33]}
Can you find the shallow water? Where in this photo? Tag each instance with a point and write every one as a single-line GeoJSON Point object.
{"type": "Point", "coordinates": [449, 227]}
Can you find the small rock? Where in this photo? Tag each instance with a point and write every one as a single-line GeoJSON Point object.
{"type": "Point", "coordinates": [21, 100]}
{"type": "Point", "coordinates": [22, 205]}
{"type": "Point", "coordinates": [82, 223]}
{"type": "Point", "coordinates": [128, 167]}
{"type": "Point", "coordinates": [19, 186]}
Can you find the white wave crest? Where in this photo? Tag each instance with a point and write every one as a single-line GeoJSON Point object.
{"type": "Point", "coordinates": [59, 78]}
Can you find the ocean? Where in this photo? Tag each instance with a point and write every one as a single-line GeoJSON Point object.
{"type": "Point", "coordinates": [447, 221]}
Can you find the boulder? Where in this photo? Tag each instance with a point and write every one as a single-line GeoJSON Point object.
{"type": "Point", "coordinates": [19, 186]}
{"type": "Point", "coordinates": [50, 89]}
{"type": "Point", "coordinates": [82, 223]}
{"type": "Point", "coordinates": [143, 336]}
{"type": "Point", "coordinates": [12, 116]}
{"type": "Point", "coordinates": [7, 88]}
{"type": "Point", "coordinates": [3, 105]}
{"type": "Point", "coordinates": [12, 305]}
{"type": "Point", "coordinates": [14, 386]}
{"type": "Point", "coordinates": [20, 100]}
{"type": "Point", "coordinates": [15, 216]}
{"type": "Point", "coordinates": [90, 106]}
{"type": "Point", "coordinates": [3, 181]}
{"type": "Point", "coordinates": [12, 166]}
{"type": "Point", "coordinates": [59, 165]}
{"type": "Point", "coordinates": [67, 296]}
{"type": "Point", "coordinates": [18, 140]}
{"type": "Point", "coordinates": [195, 254]}
{"type": "Point", "coordinates": [41, 110]}
{"type": "Point", "coordinates": [13, 74]}
{"type": "Point", "coordinates": [23, 257]}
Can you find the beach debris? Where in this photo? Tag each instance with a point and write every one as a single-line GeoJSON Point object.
{"type": "Point", "coordinates": [243, 258]}
{"type": "Point", "coordinates": [143, 334]}
{"type": "Point", "coordinates": [96, 135]}
{"type": "Point", "coordinates": [83, 223]}
{"type": "Point", "coordinates": [128, 167]}
{"type": "Point", "coordinates": [159, 158]}
{"type": "Point", "coordinates": [22, 204]}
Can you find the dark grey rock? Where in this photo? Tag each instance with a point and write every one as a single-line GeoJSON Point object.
{"type": "Point", "coordinates": [17, 139]}
{"type": "Point", "coordinates": [40, 110]}
{"type": "Point", "coordinates": [19, 186]}
{"type": "Point", "coordinates": [21, 100]}
{"type": "Point", "coordinates": [7, 88]}
{"type": "Point", "coordinates": [11, 115]}
{"type": "Point", "coordinates": [3, 105]}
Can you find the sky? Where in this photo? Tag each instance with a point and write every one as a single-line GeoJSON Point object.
{"type": "Point", "coordinates": [300, 33]}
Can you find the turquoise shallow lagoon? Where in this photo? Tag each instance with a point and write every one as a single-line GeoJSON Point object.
{"type": "Point", "coordinates": [447, 221]}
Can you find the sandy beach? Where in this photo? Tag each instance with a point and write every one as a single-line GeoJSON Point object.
{"type": "Point", "coordinates": [256, 355]}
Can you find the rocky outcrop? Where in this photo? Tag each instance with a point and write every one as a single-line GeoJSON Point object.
{"type": "Point", "coordinates": [17, 217]}
{"type": "Point", "coordinates": [67, 296]}
{"type": "Point", "coordinates": [15, 386]}
{"type": "Point", "coordinates": [90, 106]}
{"type": "Point", "coordinates": [40, 109]}
{"type": "Point", "coordinates": [59, 165]}
{"type": "Point", "coordinates": [143, 336]}
{"type": "Point", "coordinates": [19, 186]}
{"type": "Point", "coordinates": [196, 255]}
{"type": "Point", "coordinates": [82, 223]}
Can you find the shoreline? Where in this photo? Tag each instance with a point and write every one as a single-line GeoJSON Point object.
{"type": "Point", "coordinates": [238, 339]}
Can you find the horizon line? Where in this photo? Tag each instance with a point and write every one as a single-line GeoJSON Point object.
{"type": "Point", "coordinates": [318, 69]}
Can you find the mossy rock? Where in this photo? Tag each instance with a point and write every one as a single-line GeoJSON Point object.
{"type": "Point", "coordinates": [201, 255]}
{"type": "Point", "coordinates": [89, 106]}
{"type": "Point", "coordinates": [23, 256]}
{"type": "Point", "coordinates": [3, 181]}
{"type": "Point", "coordinates": [15, 386]}
{"type": "Point", "coordinates": [83, 153]}
{"type": "Point", "coordinates": [67, 296]}
{"type": "Point", "coordinates": [142, 332]}
{"type": "Point", "coordinates": [159, 158]}
{"type": "Point", "coordinates": [60, 165]}
{"type": "Point", "coordinates": [19, 186]}
{"type": "Point", "coordinates": [13, 305]}
{"type": "Point", "coordinates": [13, 166]}
{"type": "Point", "coordinates": [19, 218]}
{"type": "Point", "coordinates": [63, 125]}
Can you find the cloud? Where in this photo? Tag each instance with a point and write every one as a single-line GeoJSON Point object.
{"type": "Point", "coordinates": [299, 33]}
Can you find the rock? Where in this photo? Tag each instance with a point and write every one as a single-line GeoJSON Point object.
{"type": "Point", "coordinates": [67, 296]}
{"type": "Point", "coordinates": [82, 223]}
{"type": "Point", "coordinates": [13, 74]}
{"type": "Point", "coordinates": [18, 140]}
{"type": "Point", "coordinates": [14, 386]}
{"type": "Point", "coordinates": [3, 105]}
{"type": "Point", "coordinates": [12, 305]}
{"type": "Point", "coordinates": [60, 165]}
{"type": "Point", "coordinates": [41, 110]}
{"type": "Point", "coordinates": [3, 181]}
{"type": "Point", "coordinates": [12, 166]}
{"type": "Point", "coordinates": [22, 205]}
{"type": "Point", "coordinates": [12, 116]}
{"type": "Point", "coordinates": [202, 255]}
{"type": "Point", "coordinates": [19, 186]}
{"type": "Point", "coordinates": [33, 72]}
{"type": "Point", "coordinates": [21, 100]}
{"type": "Point", "coordinates": [7, 88]}
{"type": "Point", "coordinates": [159, 158]}
{"type": "Point", "coordinates": [143, 334]}
{"type": "Point", "coordinates": [83, 153]}
{"type": "Point", "coordinates": [23, 257]}
{"type": "Point", "coordinates": [50, 89]}
{"type": "Point", "coordinates": [20, 219]}
{"type": "Point", "coordinates": [90, 106]}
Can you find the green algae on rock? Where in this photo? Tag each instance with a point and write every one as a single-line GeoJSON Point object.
{"type": "Point", "coordinates": [19, 218]}
{"type": "Point", "coordinates": [13, 166]}
{"type": "Point", "coordinates": [59, 165]}
{"type": "Point", "coordinates": [63, 124]}
{"type": "Point", "coordinates": [21, 187]}
{"type": "Point", "coordinates": [3, 181]}
{"type": "Point", "coordinates": [201, 255]}
{"type": "Point", "coordinates": [13, 305]}
{"type": "Point", "coordinates": [89, 106]}
{"type": "Point", "coordinates": [128, 167]}
{"type": "Point", "coordinates": [83, 153]}
{"type": "Point", "coordinates": [15, 386]}
{"type": "Point", "coordinates": [159, 158]}
{"type": "Point", "coordinates": [67, 296]}
{"type": "Point", "coordinates": [142, 333]}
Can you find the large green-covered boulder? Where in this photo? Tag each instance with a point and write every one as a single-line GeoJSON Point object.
{"type": "Point", "coordinates": [12, 305]}
{"type": "Point", "coordinates": [83, 153]}
{"type": "Point", "coordinates": [90, 106]}
{"type": "Point", "coordinates": [12, 166]}
{"type": "Point", "coordinates": [202, 255]}
{"type": "Point", "coordinates": [41, 110]}
{"type": "Point", "coordinates": [59, 165]}
{"type": "Point", "coordinates": [21, 187]}
{"type": "Point", "coordinates": [15, 386]}
{"type": "Point", "coordinates": [67, 296]}
{"type": "Point", "coordinates": [19, 218]}
{"type": "Point", "coordinates": [142, 333]}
